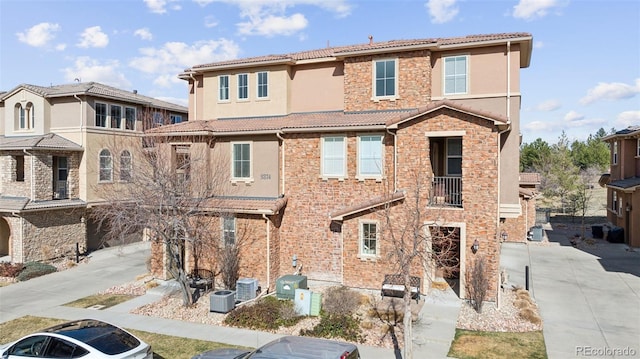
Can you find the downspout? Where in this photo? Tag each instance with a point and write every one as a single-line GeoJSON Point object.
{"type": "Point", "coordinates": [395, 159]}
{"type": "Point", "coordinates": [82, 118]}
{"type": "Point", "coordinates": [195, 97]}
{"type": "Point", "coordinates": [282, 174]}
{"type": "Point", "coordinates": [508, 81]}
{"type": "Point", "coordinates": [268, 251]}
{"type": "Point", "coordinates": [33, 188]}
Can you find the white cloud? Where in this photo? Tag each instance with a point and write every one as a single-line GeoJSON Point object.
{"type": "Point", "coordinates": [271, 18]}
{"type": "Point", "coordinates": [166, 62]}
{"type": "Point", "coordinates": [611, 91]}
{"type": "Point", "coordinates": [539, 126]}
{"type": "Point", "coordinates": [160, 6]}
{"type": "Point", "coordinates": [143, 33]}
{"type": "Point", "coordinates": [93, 37]}
{"type": "Point", "coordinates": [573, 116]}
{"type": "Point", "coordinates": [103, 71]}
{"type": "Point", "coordinates": [575, 119]}
{"type": "Point", "coordinates": [60, 47]}
{"type": "Point", "coordinates": [210, 21]}
{"type": "Point", "coordinates": [548, 105]}
{"type": "Point", "coordinates": [628, 118]}
{"type": "Point", "coordinates": [531, 9]}
{"type": "Point", "coordinates": [442, 11]}
{"type": "Point", "coordinates": [39, 35]}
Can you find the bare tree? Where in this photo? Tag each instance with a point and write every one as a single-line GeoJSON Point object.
{"type": "Point", "coordinates": [160, 196]}
{"type": "Point", "coordinates": [416, 244]}
{"type": "Point", "coordinates": [582, 194]}
{"type": "Point", "coordinates": [478, 283]}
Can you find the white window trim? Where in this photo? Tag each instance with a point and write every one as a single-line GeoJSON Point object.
{"type": "Point", "coordinates": [110, 119]}
{"type": "Point", "coordinates": [242, 179]}
{"type": "Point", "coordinates": [110, 180]}
{"type": "Point", "coordinates": [614, 160]}
{"type": "Point", "coordinates": [379, 176]}
{"type": "Point", "coordinates": [444, 76]}
{"type": "Point", "coordinates": [325, 176]}
{"type": "Point", "coordinates": [258, 97]}
{"type": "Point", "coordinates": [121, 167]}
{"type": "Point", "coordinates": [135, 117]}
{"type": "Point", "coordinates": [638, 147]}
{"type": "Point", "coordinates": [228, 99]}
{"type": "Point", "coordinates": [238, 87]}
{"type": "Point", "coordinates": [395, 96]}
{"type": "Point", "coordinates": [361, 254]}
{"type": "Point", "coordinates": [106, 115]}
{"type": "Point", "coordinates": [224, 231]}
{"type": "Point", "coordinates": [447, 156]}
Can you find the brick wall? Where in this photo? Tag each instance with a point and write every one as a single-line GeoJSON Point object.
{"type": "Point", "coordinates": [413, 79]}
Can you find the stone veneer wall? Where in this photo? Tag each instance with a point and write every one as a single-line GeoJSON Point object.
{"type": "Point", "coordinates": [413, 81]}
{"type": "Point", "coordinates": [8, 184]}
{"type": "Point", "coordinates": [51, 234]}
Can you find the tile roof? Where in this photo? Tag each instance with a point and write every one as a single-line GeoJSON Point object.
{"type": "Point", "coordinates": [49, 141]}
{"type": "Point", "coordinates": [526, 192]}
{"type": "Point", "coordinates": [98, 90]}
{"type": "Point", "coordinates": [530, 178]}
{"type": "Point", "coordinates": [251, 205]}
{"type": "Point", "coordinates": [23, 204]}
{"type": "Point", "coordinates": [339, 215]}
{"type": "Point", "coordinates": [629, 132]}
{"type": "Point", "coordinates": [317, 121]}
{"type": "Point", "coordinates": [354, 50]}
{"type": "Point", "coordinates": [627, 183]}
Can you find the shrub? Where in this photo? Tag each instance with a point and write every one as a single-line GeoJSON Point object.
{"type": "Point", "coordinates": [10, 269]}
{"type": "Point", "coordinates": [477, 283]}
{"type": "Point", "coordinates": [531, 315]}
{"type": "Point", "coordinates": [341, 300]}
{"type": "Point", "coordinates": [336, 326]}
{"type": "Point", "coordinates": [267, 313]}
{"type": "Point", "coordinates": [35, 269]}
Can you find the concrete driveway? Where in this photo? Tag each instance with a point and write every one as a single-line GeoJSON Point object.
{"type": "Point", "coordinates": [589, 296]}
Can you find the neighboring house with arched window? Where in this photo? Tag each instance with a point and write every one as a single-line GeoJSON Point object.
{"type": "Point", "coordinates": [56, 155]}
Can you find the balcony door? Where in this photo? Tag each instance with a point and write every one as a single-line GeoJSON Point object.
{"type": "Point", "coordinates": [60, 176]}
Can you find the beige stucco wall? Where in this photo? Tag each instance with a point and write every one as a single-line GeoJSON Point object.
{"type": "Point", "coordinates": [317, 87]}
{"type": "Point", "coordinates": [11, 119]}
{"type": "Point", "coordinates": [275, 104]}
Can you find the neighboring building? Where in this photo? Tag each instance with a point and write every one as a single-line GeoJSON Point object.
{"type": "Point", "coordinates": [55, 156]}
{"type": "Point", "coordinates": [623, 183]}
{"type": "Point", "coordinates": [320, 142]}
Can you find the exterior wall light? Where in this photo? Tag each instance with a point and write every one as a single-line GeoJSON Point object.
{"type": "Point", "coordinates": [504, 236]}
{"type": "Point", "coordinates": [294, 261]}
{"type": "Point", "coordinates": [475, 246]}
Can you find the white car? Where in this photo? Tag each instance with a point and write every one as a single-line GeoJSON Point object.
{"type": "Point", "coordinates": [86, 338]}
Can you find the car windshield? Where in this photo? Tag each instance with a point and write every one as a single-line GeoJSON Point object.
{"type": "Point", "coordinates": [104, 337]}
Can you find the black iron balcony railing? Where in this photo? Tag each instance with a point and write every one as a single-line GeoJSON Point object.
{"type": "Point", "coordinates": [446, 191]}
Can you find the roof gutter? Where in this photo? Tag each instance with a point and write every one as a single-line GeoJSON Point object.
{"type": "Point", "coordinates": [286, 61]}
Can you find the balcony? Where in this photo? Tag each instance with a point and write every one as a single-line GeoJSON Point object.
{"type": "Point", "coordinates": [446, 191]}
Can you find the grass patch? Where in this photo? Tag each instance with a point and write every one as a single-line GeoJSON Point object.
{"type": "Point", "coordinates": [105, 300]}
{"type": "Point", "coordinates": [164, 346]}
{"type": "Point", "coordinates": [495, 345]}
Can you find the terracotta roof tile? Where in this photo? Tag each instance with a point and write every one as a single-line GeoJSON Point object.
{"type": "Point", "coordinates": [257, 205]}
{"type": "Point", "coordinates": [49, 141]}
{"type": "Point", "coordinates": [339, 215]}
{"type": "Point", "coordinates": [529, 178]}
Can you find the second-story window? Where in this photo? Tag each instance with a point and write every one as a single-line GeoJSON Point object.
{"type": "Point", "coordinates": [223, 88]}
{"type": "Point", "coordinates": [263, 84]}
{"type": "Point", "coordinates": [334, 156]}
{"type": "Point", "coordinates": [175, 119]}
{"type": "Point", "coordinates": [385, 78]}
{"type": "Point", "coordinates": [455, 75]}
{"type": "Point", "coordinates": [370, 155]}
{"type": "Point", "coordinates": [638, 147]}
{"type": "Point", "coordinates": [116, 115]}
{"type": "Point", "coordinates": [229, 230]}
{"type": "Point", "coordinates": [130, 118]}
{"type": "Point", "coordinates": [183, 164]}
{"type": "Point", "coordinates": [454, 157]}
{"type": "Point", "coordinates": [243, 86]}
{"type": "Point", "coordinates": [19, 168]}
{"type": "Point", "coordinates": [241, 163]}
{"type": "Point", "coordinates": [614, 160]}
{"type": "Point", "coordinates": [101, 115]}
{"type": "Point", "coordinates": [106, 166]}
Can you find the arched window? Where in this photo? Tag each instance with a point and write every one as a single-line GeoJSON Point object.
{"type": "Point", "coordinates": [25, 116]}
{"type": "Point", "coordinates": [31, 116]}
{"type": "Point", "coordinates": [125, 166]}
{"type": "Point", "coordinates": [106, 166]}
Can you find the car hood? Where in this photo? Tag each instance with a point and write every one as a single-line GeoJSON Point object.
{"type": "Point", "coordinates": [226, 353]}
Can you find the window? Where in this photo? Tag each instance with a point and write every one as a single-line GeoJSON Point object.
{"type": "Point", "coordinates": [229, 230]}
{"type": "Point", "coordinates": [370, 155]}
{"type": "Point", "coordinates": [638, 148]}
{"type": "Point", "coordinates": [23, 121]}
{"type": "Point", "coordinates": [333, 156]}
{"type": "Point", "coordinates": [29, 347]}
{"type": "Point", "coordinates": [385, 78]}
{"type": "Point", "coordinates": [125, 166]}
{"type": "Point", "coordinates": [615, 153]}
{"type": "Point", "coordinates": [263, 85]}
{"type": "Point", "coordinates": [243, 86]}
{"type": "Point", "coordinates": [183, 163]}
{"type": "Point", "coordinates": [101, 115]}
{"type": "Point", "coordinates": [158, 119]}
{"type": "Point", "coordinates": [116, 115]}
{"type": "Point", "coordinates": [223, 89]}
{"type": "Point", "coordinates": [62, 173]}
{"type": "Point", "coordinates": [368, 238]}
{"type": "Point", "coordinates": [454, 157]}
{"type": "Point", "coordinates": [24, 116]}
{"type": "Point", "coordinates": [614, 201]}
{"type": "Point", "coordinates": [31, 114]}
{"type": "Point", "coordinates": [455, 75]}
{"type": "Point", "coordinates": [19, 168]}
{"type": "Point", "coordinates": [130, 118]}
{"type": "Point", "coordinates": [241, 160]}
{"type": "Point", "coordinates": [175, 119]}
{"type": "Point", "coordinates": [59, 348]}
{"type": "Point", "coordinates": [106, 166]}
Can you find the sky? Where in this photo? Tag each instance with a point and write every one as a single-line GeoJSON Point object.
{"type": "Point", "coordinates": [584, 73]}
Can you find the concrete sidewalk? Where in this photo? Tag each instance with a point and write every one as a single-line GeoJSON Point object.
{"type": "Point", "coordinates": [45, 296]}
